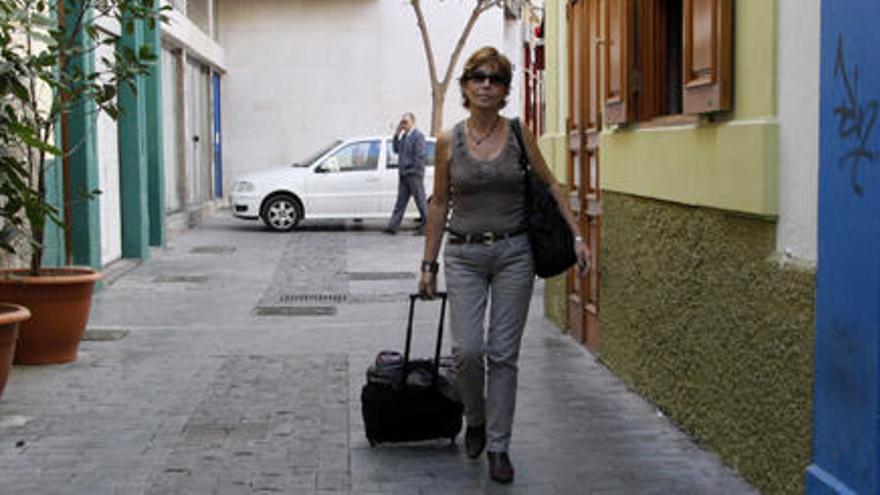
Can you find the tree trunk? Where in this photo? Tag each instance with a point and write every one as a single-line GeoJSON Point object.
{"type": "Point", "coordinates": [438, 98]}
{"type": "Point", "coordinates": [439, 87]}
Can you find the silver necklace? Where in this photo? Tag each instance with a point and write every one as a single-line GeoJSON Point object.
{"type": "Point", "coordinates": [477, 139]}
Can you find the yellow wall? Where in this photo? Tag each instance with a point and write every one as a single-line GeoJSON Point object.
{"type": "Point", "coordinates": [754, 61]}
{"type": "Point", "coordinates": [731, 164]}
{"type": "Point", "coordinates": [552, 142]}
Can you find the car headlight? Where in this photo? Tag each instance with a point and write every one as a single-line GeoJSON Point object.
{"type": "Point", "coordinates": [244, 186]}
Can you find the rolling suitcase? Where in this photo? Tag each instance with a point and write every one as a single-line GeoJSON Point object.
{"type": "Point", "coordinates": [411, 399]}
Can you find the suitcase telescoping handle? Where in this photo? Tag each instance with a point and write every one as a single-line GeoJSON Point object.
{"type": "Point", "coordinates": [409, 330]}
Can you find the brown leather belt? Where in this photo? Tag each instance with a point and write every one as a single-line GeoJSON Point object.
{"type": "Point", "coordinates": [486, 238]}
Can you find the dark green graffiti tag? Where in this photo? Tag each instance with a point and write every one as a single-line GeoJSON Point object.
{"type": "Point", "coordinates": [856, 120]}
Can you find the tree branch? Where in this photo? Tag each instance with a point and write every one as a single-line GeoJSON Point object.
{"type": "Point", "coordinates": [485, 5]}
{"type": "Point", "coordinates": [84, 6]}
{"type": "Point", "coordinates": [459, 45]}
{"type": "Point", "coordinates": [426, 40]}
{"type": "Point", "coordinates": [33, 102]}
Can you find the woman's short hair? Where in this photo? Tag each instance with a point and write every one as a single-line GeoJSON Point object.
{"type": "Point", "coordinates": [486, 55]}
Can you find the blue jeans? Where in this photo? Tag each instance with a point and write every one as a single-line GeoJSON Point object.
{"type": "Point", "coordinates": [503, 275]}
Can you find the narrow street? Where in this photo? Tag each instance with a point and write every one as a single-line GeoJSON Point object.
{"type": "Point", "coordinates": [232, 362]}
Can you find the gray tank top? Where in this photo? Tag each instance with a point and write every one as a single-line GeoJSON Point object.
{"type": "Point", "coordinates": [485, 195]}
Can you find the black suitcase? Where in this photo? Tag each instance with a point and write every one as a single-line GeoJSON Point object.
{"type": "Point", "coordinates": [408, 400]}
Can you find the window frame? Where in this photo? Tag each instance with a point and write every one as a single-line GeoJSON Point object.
{"type": "Point", "coordinates": [372, 165]}
{"type": "Point", "coordinates": [636, 91]}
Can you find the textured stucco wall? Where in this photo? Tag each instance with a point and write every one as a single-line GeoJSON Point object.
{"type": "Point", "coordinates": [697, 316]}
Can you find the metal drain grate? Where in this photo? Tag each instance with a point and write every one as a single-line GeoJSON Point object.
{"type": "Point", "coordinates": [212, 250]}
{"type": "Point", "coordinates": [378, 297]}
{"type": "Point", "coordinates": [355, 276]}
{"type": "Point", "coordinates": [313, 298]}
{"type": "Point", "coordinates": [295, 310]}
{"type": "Point", "coordinates": [181, 279]}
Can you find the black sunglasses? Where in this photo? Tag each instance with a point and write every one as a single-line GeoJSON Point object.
{"type": "Point", "coordinates": [480, 76]}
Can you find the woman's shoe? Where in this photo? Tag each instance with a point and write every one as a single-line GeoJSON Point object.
{"type": "Point", "coordinates": [475, 440]}
{"type": "Point", "coordinates": [500, 468]}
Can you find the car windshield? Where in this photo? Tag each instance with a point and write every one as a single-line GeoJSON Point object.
{"type": "Point", "coordinates": [318, 154]}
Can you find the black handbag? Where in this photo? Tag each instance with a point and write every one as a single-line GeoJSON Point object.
{"type": "Point", "coordinates": [549, 234]}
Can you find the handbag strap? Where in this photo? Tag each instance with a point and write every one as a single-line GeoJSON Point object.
{"type": "Point", "coordinates": [524, 152]}
{"type": "Point", "coordinates": [523, 160]}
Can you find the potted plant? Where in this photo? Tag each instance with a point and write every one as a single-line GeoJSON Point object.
{"type": "Point", "coordinates": [11, 315]}
{"type": "Point", "coordinates": [40, 84]}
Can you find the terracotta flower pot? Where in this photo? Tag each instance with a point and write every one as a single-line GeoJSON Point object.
{"type": "Point", "coordinates": [59, 300]}
{"type": "Point", "coordinates": [10, 316]}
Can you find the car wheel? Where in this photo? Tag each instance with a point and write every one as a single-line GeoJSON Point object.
{"type": "Point", "coordinates": [281, 213]}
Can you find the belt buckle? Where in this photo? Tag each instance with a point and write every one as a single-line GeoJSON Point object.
{"type": "Point", "coordinates": [489, 238]}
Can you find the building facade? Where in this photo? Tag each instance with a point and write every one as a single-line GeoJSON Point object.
{"type": "Point", "coordinates": [193, 66]}
{"type": "Point", "coordinates": [155, 164]}
{"type": "Point", "coordinates": [687, 133]}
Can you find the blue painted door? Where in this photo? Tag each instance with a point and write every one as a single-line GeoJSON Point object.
{"type": "Point", "coordinates": [218, 141]}
{"type": "Point", "coordinates": [846, 437]}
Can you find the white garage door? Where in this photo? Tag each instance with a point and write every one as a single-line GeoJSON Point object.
{"type": "Point", "coordinates": [170, 131]}
{"type": "Point", "coordinates": [108, 180]}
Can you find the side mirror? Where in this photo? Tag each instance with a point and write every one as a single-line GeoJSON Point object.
{"type": "Point", "coordinates": [330, 165]}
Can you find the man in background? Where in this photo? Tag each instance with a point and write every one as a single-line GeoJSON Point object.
{"type": "Point", "coordinates": [409, 144]}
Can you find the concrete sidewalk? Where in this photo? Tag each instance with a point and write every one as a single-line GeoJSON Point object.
{"type": "Point", "coordinates": [232, 363]}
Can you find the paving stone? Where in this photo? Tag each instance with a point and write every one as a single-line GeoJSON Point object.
{"type": "Point", "coordinates": [202, 396]}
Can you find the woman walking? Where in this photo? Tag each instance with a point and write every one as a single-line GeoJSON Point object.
{"type": "Point", "coordinates": [478, 177]}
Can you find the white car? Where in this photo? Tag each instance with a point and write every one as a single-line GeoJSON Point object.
{"type": "Point", "coordinates": [347, 179]}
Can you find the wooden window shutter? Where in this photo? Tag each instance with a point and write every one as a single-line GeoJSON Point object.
{"type": "Point", "coordinates": [650, 60]}
{"type": "Point", "coordinates": [708, 47]}
{"type": "Point", "coordinates": [619, 34]}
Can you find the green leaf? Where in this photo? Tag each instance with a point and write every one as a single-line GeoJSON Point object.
{"type": "Point", "coordinates": [112, 112]}
{"type": "Point", "coordinates": [43, 37]}
{"type": "Point", "coordinates": [19, 90]}
{"type": "Point", "coordinates": [31, 138]}
{"type": "Point", "coordinates": [146, 52]}
{"type": "Point", "coordinates": [40, 20]}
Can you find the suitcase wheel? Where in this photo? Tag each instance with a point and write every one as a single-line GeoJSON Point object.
{"type": "Point", "coordinates": [372, 443]}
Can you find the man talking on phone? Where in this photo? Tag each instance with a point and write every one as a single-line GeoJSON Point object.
{"type": "Point", "coordinates": [409, 144]}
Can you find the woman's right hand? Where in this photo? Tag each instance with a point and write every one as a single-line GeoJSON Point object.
{"type": "Point", "coordinates": [428, 285]}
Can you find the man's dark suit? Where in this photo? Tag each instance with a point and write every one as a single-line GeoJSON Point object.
{"type": "Point", "coordinates": [411, 150]}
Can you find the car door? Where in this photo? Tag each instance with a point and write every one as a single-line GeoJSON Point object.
{"type": "Point", "coordinates": [346, 182]}
{"type": "Point", "coordinates": [388, 178]}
